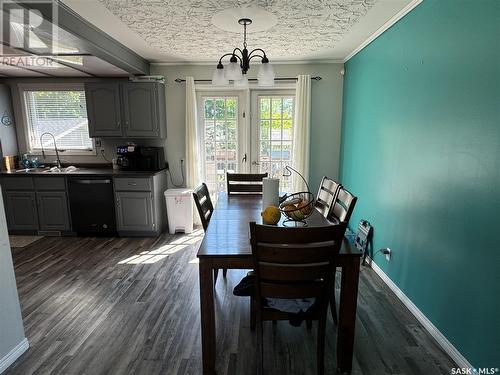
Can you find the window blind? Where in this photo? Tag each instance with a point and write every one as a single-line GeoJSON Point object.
{"type": "Point", "coordinates": [62, 113]}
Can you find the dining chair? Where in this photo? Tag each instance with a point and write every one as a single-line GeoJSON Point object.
{"type": "Point", "coordinates": [340, 212]}
{"type": "Point", "coordinates": [327, 194]}
{"type": "Point", "coordinates": [244, 182]}
{"type": "Point", "coordinates": [205, 209]}
{"type": "Point", "coordinates": [294, 263]}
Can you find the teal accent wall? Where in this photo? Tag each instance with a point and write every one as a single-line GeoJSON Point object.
{"type": "Point", "coordinates": [421, 150]}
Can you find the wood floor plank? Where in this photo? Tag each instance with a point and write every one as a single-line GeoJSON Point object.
{"type": "Point", "coordinates": [131, 306]}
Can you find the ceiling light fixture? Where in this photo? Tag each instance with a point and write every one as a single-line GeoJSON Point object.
{"type": "Point", "coordinates": [239, 64]}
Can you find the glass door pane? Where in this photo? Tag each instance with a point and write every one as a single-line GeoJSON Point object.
{"type": "Point", "coordinates": [274, 135]}
{"type": "Point", "coordinates": [220, 126]}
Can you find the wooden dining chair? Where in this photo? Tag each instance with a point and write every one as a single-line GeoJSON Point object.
{"type": "Point", "coordinates": [205, 209]}
{"type": "Point", "coordinates": [244, 182]}
{"type": "Point", "coordinates": [294, 263]}
{"type": "Point", "coordinates": [340, 212]}
{"type": "Point", "coordinates": [327, 194]}
{"type": "Point", "coordinates": [343, 207]}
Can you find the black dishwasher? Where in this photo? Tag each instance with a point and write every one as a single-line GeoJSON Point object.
{"type": "Point", "coordinates": [92, 205]}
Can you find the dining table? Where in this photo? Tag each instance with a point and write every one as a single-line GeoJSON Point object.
{"type": "Point", "coordinates": [226, 244]}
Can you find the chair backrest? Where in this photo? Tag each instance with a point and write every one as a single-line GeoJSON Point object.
{"type": "Point", "coordinates": [343, 207]}
{"type": "Point", "coordinates": [204, 204]}
{"type": "Point", "coordinates": [294, 262]}
{"type": "Point", "coordinates": [244, 182]}
{"type": "Point", "coordinates": [327, 194]}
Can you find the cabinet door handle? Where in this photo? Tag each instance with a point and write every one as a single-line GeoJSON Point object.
{"type": "Point", "coordinates": [132, 183]}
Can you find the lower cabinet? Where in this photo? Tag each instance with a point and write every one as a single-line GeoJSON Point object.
{"type": "Point", "coordinates": [20, 209]}
{"type": "Point", "coordinates": [53, 210]}
{"type": "Point", "coordinates": [135, 211]}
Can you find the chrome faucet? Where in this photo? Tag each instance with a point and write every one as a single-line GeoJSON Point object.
{"type": "Point", "coordinates": [58, 160]}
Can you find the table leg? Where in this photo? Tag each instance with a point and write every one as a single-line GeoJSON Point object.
{"type": "Point", "coordinates": [347, 315]}
{"type": "Point", "coordinates": [207, 317]}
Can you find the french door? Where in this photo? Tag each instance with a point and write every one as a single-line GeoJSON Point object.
{"type": "Point", "coordinates": [272, 134]}
{"type": "Point", "coordinates": [232, 141]}
{"type": "Point", "coordinates": [221, 132]}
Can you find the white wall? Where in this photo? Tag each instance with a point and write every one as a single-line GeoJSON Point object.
{"type": "Point", "coordinates": [12, 340]}
{"type": "Point", "coordinates": [8, 140]}
{"type": "Point", "coordinates": [325, 117]}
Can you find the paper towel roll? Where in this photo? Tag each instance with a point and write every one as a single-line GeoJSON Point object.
{"type": "Point", "coordinates": [270, 192]}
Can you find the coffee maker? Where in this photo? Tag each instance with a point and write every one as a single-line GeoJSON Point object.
{"type": "Point", "coordinates": [127, 157]}
{"type": "Point", "coordinates": [140, 158]}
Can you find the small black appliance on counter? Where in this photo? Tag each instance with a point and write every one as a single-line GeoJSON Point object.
{"type": "Point", "coordinates": [140, 158]}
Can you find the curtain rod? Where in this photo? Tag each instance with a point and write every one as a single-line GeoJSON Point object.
{"type": "Point", "coordinates": [316, 78]}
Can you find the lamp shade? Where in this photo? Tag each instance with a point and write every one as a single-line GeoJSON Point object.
{"type": "Point", "coordinates": [241, 83]}
{"type": "Point", "coordinates": [233, 71]}
{"type": "Point", "coordinates": [218, 78]}
{"type": "Point", "coordinates": [266, 75]}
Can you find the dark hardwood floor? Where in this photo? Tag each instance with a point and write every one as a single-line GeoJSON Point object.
{"type": "Point", "coordinates": [131, 306]}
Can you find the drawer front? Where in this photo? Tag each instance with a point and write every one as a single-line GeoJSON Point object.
{"type": "Point", "coordinates": [50, 183]}
{"type": "Point", "coordinates": [132, 184]}
{"type": "Point", "coordinates": [17, 183]}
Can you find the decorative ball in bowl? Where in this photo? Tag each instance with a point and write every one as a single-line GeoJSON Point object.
{"type": "Point", "coordinates": [298, 206]}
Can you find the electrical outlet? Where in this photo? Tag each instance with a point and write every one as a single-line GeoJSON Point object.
{"type": "Point", "coordinates": [388, 254]}
{"type": "Point", "coordinates": [98, 142]}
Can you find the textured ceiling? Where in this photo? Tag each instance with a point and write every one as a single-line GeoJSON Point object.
{"type": "Point", "coordinates": [183, 28]}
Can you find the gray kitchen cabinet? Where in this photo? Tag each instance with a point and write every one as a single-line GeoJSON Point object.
{"type": "Point", "coordinates": [53, 214]}
{"type": "Point", "coordinates": [140, 205]}
{"type": "Point", "coordinates": [21, 212]}
{"type": "Point", "coordinates": [104, 109]}
{"type": "Point", "coordinates": [143, 109]}
{"type": "Point", "coordinates": [126, 109]}
{"type": "Point", "coordinates": [135, 211]}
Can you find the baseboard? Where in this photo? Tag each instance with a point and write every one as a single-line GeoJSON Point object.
{"type": "Point", "coordinates": [14, 354]}
{"type": "Point", "coordinates": [447, 346]}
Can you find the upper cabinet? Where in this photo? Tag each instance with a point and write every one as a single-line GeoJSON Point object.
{"type": "Point", "coordinates": [129, 109]}
{"type": "Point", "coordinates": [103, 109]}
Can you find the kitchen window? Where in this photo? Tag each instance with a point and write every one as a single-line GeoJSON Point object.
{"type": "Point", "coordinates": [61, 111]}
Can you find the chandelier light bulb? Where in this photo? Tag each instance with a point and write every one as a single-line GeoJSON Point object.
{"type": "Point", "coordinates": [218, 77]}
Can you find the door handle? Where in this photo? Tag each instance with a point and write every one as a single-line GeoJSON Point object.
{"type": "Point", "coordinates": [255, 163]}
{"type": "Point", "coordinates": [244, 160]}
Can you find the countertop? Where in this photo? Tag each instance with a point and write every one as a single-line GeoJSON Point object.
{"type": "Point", "coordinates": [86, 171]}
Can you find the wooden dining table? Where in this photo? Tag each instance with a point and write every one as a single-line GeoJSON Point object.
{"type": "Point", "coordinates": [227, 245]}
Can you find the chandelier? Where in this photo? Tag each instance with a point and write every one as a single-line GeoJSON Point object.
{"type": "Point", "coordinates": [239, 64]}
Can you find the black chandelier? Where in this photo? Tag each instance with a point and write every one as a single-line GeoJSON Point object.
{"type": "Point", "coordinates": [239, 64]}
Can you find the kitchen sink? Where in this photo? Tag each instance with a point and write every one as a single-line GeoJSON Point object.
{"type": "Point", "coordinates": [61, 170]}
{"type": "Point", "coordinates": [48, 170]}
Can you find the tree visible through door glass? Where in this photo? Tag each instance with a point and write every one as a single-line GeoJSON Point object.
{"type": "Point", "coordinates": [221, 140]}
{"type": "Point", "coordinates": [275, 136]}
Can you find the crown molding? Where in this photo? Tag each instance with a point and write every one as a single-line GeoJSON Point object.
{"type": "Point", "coordinates": [403, 12]}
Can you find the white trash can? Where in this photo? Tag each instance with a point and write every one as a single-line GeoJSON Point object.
{"type": "Point", "coordinates": [179, 210]}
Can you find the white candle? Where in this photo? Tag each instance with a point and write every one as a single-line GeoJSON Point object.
{"type": "Point", "coordinates": [270, 192]}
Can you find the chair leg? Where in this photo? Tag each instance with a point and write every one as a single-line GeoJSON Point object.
{"type": "Point", "coordinates": [224, 272]}
{"type": "Point", "coordinates": [309, 324]}
{"type": "Point", "coordinates": [321, 342]}
{"type": "Point", "coordinates": [260, 346]}
{"type": "Point", "coordinates": [216, 272]}
{"type": "Point", "coordinates": [252, 314]}
{"type": "Point", "coordinates": [333, 304]}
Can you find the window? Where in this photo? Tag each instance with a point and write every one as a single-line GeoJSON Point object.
{"type": "Point", "coordinates": [61, 112]}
